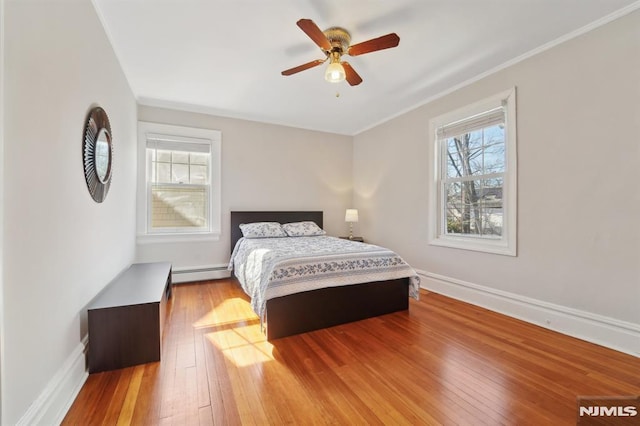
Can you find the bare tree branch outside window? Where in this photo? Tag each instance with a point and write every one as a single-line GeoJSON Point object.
{"type": "Point", "coordinates": [473, 182]}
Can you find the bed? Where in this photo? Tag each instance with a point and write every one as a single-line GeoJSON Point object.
{"type": "Point", "coordinates": [302, 311]}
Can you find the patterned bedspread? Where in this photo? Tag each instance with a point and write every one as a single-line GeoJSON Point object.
{"type": "Point", "coordinates": [275, 267]}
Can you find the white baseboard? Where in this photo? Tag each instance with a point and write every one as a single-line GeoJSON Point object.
{"type": "Point", "coordinates": [605, 331]}
{"type": "Point", "coordinates": [55, 400]}
{"type": "Point", "coordinates": [199, 273]}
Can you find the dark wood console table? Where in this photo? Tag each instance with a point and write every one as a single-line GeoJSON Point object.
{"type": "Point", "coordinates": [127, 318]}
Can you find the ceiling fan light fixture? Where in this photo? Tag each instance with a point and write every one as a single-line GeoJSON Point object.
{"type": "Point", "coordinates": [335, 73]}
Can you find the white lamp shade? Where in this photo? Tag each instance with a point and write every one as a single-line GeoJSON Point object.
{"type": "Point", "coordinates": [335, 73]}
{"type": "Point", "coordinates": [351, 215]}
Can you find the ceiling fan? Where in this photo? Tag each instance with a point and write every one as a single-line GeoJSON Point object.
{"type": "Point", "coordinates": [336, 42]}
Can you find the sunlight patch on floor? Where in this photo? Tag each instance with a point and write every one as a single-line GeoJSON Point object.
{"type": "Point", "coordinates": [231, 311]}
{"type": "Point", "coordinates": [243, 345]}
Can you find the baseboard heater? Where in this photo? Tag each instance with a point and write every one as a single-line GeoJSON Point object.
{"type": "Point", "coordinates": [199, 273]}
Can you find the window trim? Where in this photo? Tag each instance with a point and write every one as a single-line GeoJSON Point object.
{"type": "Point", "coordinates": [507, 244]}
{"type": "Point", "coordinates": [145, 234]}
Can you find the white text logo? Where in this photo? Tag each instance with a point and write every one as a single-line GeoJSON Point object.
{"type": "Point", "coordinates": [605, 411]}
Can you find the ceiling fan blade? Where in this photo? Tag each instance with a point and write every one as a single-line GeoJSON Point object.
{"type": "Point", "coordinates": [380, 43]}
{"type": "Point", "coordinates": [314, 33]}
{"type": "Point", "coordinates": [352, 77]}
{"type": "Point", "coordinates": [303, 67]}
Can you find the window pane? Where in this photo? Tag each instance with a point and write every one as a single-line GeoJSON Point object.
{"type": "Point", "coordinates": [151, 164]}
{"type": "Point", "coordinates": [163, 172]}
{"type": "Point", "coordinates": [494, 150]}
{"type": "Point", "coordinates": [180, 157]}
{"type": "Point", "coordinates": [199, 174]}
{"type": "Point", "coordinates": [180, 173]}
{"type": "Point", "coordinates": [476, 153]}
{"type": "Point", "coordinates": [492, 207]}
{"type": "Point", "coordinates": [464, 155]}
{"type": "Point", "coordinates": [454, 166]}
{"type": "Point", "coordinates": [454, 208]}
{"type": "Point", "coordinates": [470, 213]}
{"type": "Point", "coordinates": [474, 207]}
{"type": "Point", "coordinates": [199, 158]}
{"type": "Point", "coordinates": [163, 155]}
{"type": "Point", "coordinates": [183, 207]}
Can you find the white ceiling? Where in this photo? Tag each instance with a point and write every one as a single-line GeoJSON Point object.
{"type": "Point", "coordinates": [224, 57]}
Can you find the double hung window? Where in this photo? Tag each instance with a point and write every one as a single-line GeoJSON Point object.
{"type": "Point", "coordinates": [179, 184]}
{"type": "Point", "coordinates": [182, 180]}
{"type": "Point", "coordinates": [473, 191]}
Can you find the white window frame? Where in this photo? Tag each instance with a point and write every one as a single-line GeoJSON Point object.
{"type": "Point", "coordinates": [179, 134]}
{"type": "Point", "coordinates": [437, 236]}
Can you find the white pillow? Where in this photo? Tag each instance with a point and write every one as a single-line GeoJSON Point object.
{"type": "Point", "coordinates": [262, 230]}
{"type": "Point", "coordinates": [302, 229]}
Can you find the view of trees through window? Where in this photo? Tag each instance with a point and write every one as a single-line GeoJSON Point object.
{"type": "Point", "coordinates": [473, 181]}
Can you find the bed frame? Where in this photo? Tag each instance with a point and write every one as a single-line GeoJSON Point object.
{"type": "Point", "coordinates": [316, 309]}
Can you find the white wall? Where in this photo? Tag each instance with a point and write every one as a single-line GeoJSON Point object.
{"type": "Point", "coordinates": [264, 167]}
{"type": "Point", "coordinates": [578, 193]}
{"type": "Point", "coordinates": [60, 247]}
{"type": "Point", "coordinates": [2, 180]}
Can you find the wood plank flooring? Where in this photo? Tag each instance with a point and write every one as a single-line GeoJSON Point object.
{"type": "Point", "coordinates": [442, 362]}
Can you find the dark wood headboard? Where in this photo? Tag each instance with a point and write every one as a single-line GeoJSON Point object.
{"type": "Point", "coordinates": [283, 217]}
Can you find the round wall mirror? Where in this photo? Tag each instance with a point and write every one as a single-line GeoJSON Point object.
{"type": "Point", "coordinates": [97, 153]}
{"type": "Point", "coordinates": [102, 156]}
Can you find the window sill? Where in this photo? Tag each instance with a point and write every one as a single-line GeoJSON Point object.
{"type": "Point", "coordinates": [485, 246]}
{"type": "Point", "coordinates": [176, 238]}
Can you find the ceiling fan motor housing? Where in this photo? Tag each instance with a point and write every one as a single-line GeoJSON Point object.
{"type": "Point", "coordinates": [339, 38]}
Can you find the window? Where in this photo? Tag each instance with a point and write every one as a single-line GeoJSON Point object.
{"type": "Point", "coordinates": [181, 183]}
{"type": "Point", "coordinates": [473, 189]}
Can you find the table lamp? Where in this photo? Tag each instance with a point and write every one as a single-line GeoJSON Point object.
{"type": "Point", "coordinates": [351, 216]}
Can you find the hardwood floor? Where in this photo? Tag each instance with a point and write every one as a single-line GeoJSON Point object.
{"type": "Point", "coordinates": [442, 362]}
